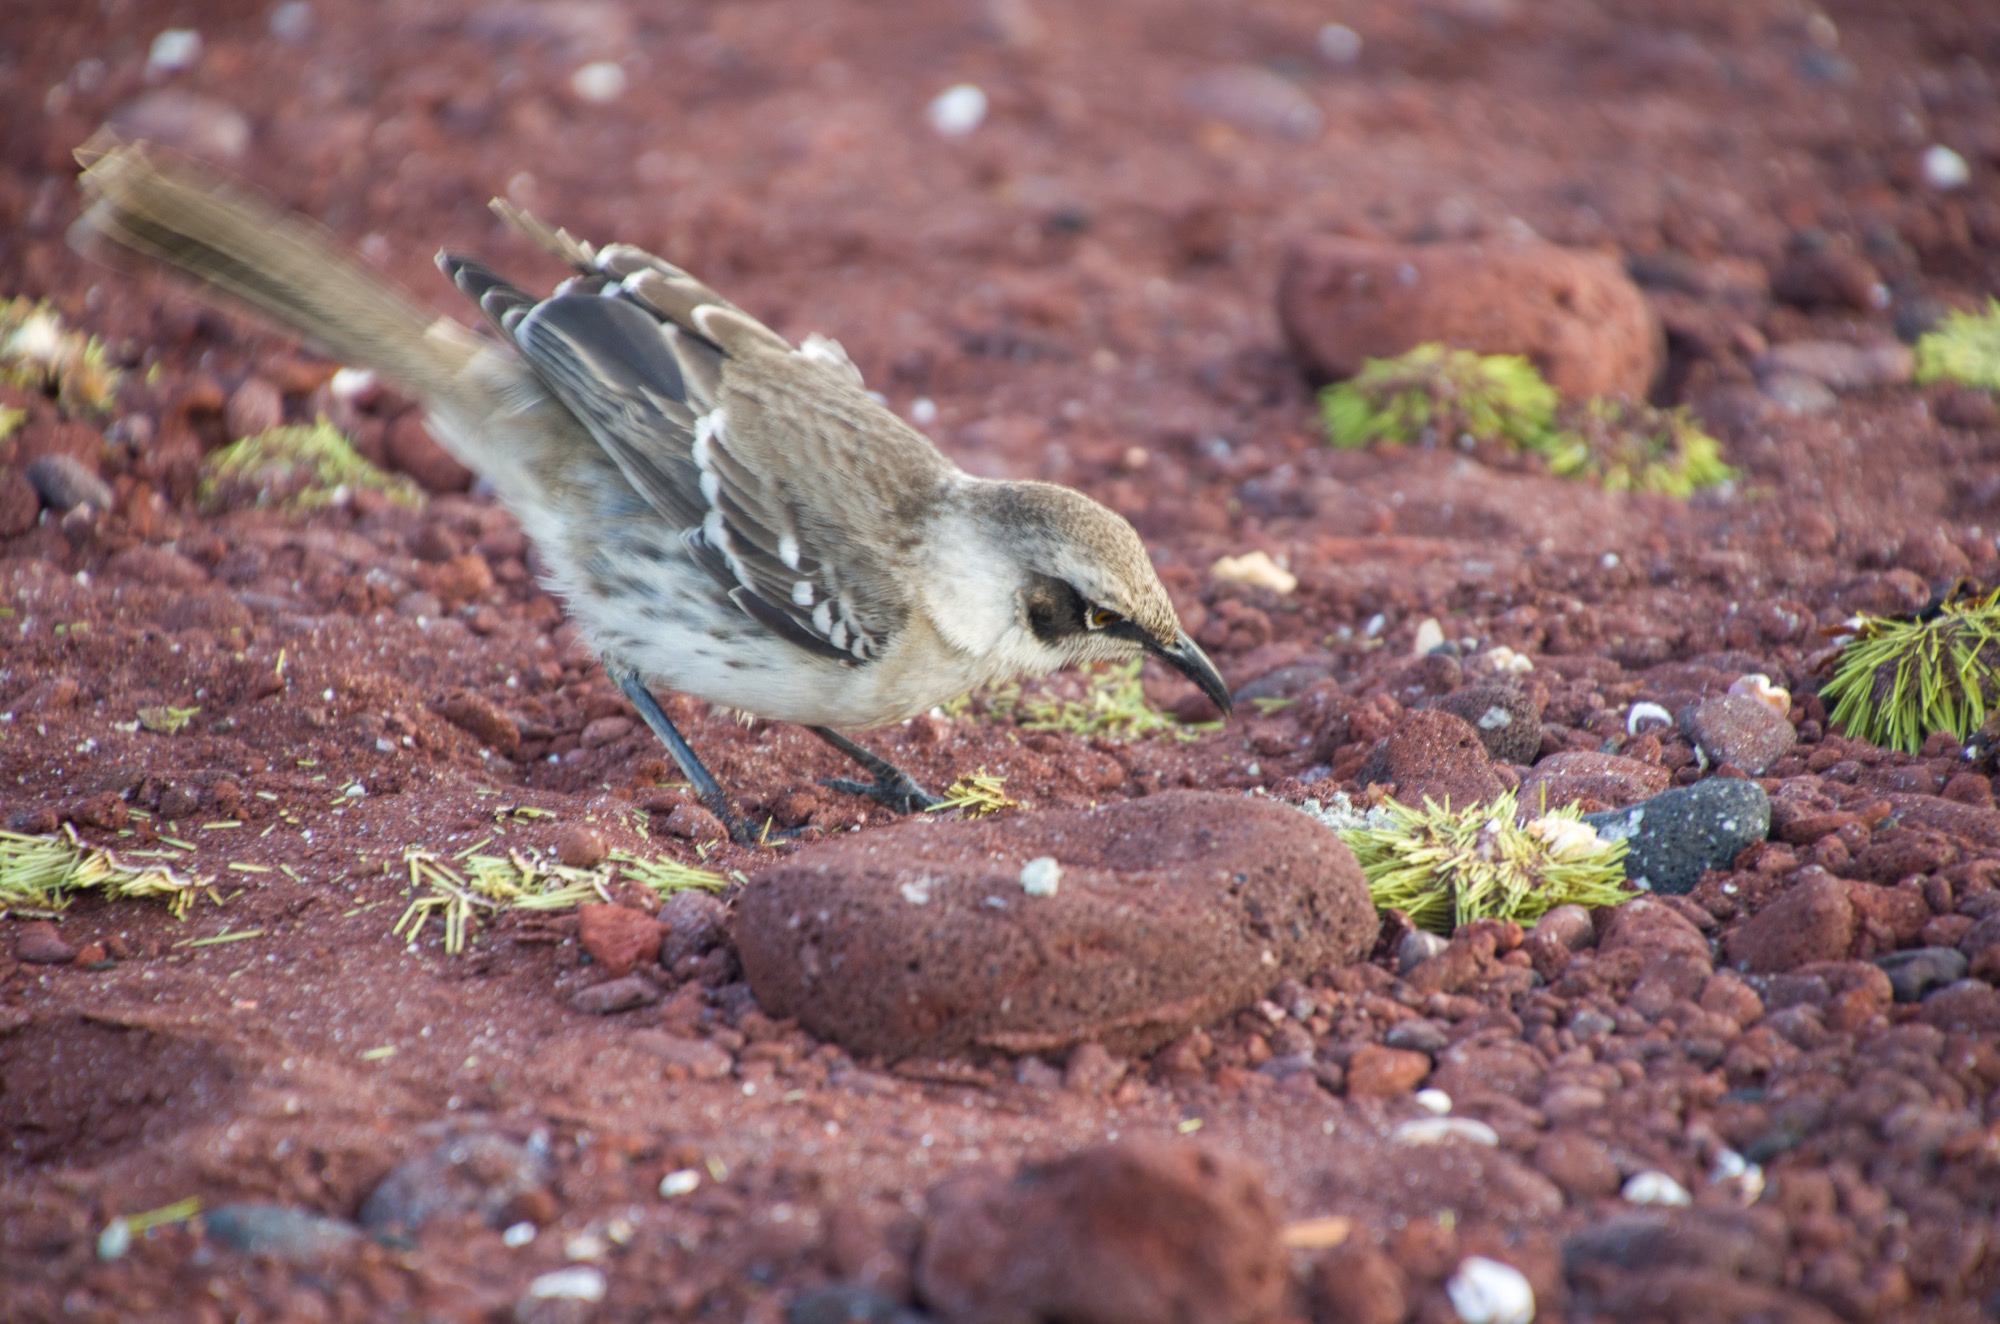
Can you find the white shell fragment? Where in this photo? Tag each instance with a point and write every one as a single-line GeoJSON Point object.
{"type": "Point", "coordinates": [600, 82]}
{"type": "Point", "coordinates": [1433, 1101]}
{"type": "Point", "coordinates": [1944, 169]}
{"type": "Point", "coordinates": [1758, 686]}
{"type": "Point", "coordinates": [957, 110]}
{"type": "Point", "coordinates": [1040, 876]}
{"type": "Point", "coordinates": [1437, 1130]}
{"type": "Point", "coordinates": [1505, 660]}
{"type": "Point", "coordinates": [1256, 569]}
{"type": "Point", "coordinates": [578, 1283]}
{"type": "Point", "coordinates": [1643, 713]}
{"type": "Point", "coordinates": [1565, 838]}
{"type": "Point", "coordinates": [1486, 1291]}
{"type": "Point", "coordinates": [1653, 1187]}
{"type": "Point", "coordinates": [173, 50]}
{"type": "Point", "coordinates": [681, 1181]}
{"type": "Point", "coordinates": [1430, 637]}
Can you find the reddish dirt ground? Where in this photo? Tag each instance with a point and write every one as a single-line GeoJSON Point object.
{"type": "Point", "coordinates": [1085, 288]}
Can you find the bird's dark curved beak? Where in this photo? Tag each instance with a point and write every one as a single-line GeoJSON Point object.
{"type": "Point", "coordinates": [1185, 656]}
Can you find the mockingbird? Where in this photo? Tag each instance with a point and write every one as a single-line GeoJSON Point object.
{"type": "Point", "coordinates": [722, 513]}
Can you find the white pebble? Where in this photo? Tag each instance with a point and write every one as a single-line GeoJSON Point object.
{"type": "Point", "coordinates": [1643, 713]}
{"type": "Point", "coordinates": [682, 1181]}
{"type": "Point", "coordinates": [923, 411]}
{"type": "Point", "coordinates": [1486, 1291]}
{"type": "Point", "coordinates": [292, 20]}
{"type": "Point", "coordinates": [1339, 44]}
{"type": "Point", "coordinates": [1504, 659]}
{"type": "Point", "coordinates": [174, 50]}
{"type": "Point", "coordinates": [585, 1246]}
{"type": "Point", "coordinates": [580, 1283]}
{"type": "Point", "coordinates": [1944, 169]}
{"type": "Point", "coordinates": [1430, 636]}
{"type": "Point", "coordinates": [1437, 1130]}
{"type": "Point", "coordinates": [917, 892]}
{"type": "Point", "coordinates": [1256, 569]}
{"type": "Point", "coordinates": [518, 1235]}
{"type": "Point", "coordinates": [1433, 1101]}
{"type": "Point", "coordinates": [601, 81]}
{"type": "Point", "coordinates": [354, 385]}
{"type": "Point", "coordinates": [957, 110]}
{"type": "Point", "coordinates": [1040, 876]}
{"type": "Point", "coordinates": [114, 1240]}
{"type": "Point", "coordinates": [1653, 1187]}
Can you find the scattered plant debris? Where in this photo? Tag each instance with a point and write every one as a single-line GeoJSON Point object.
{"type": "Point", "coordinates": [977, 796]}
{"type": "Point", "coordinates": [458, 890]}
{"type": "Point", "coordinates": [1445, 867]}
{"type": "Point", "coordinates": [38, 353]}
{"type": "Point", "coordinates": [1964, 348]}
{"type": "Point", "coordinates": [298, 468]}
{"type": "Point", "coordinates": [1898, 681]}
{"type": "Point", "coordinates": [44, 873]}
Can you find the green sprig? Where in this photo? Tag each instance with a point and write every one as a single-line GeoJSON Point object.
{"type": "Point", "coordinates": [1964, 348]}
{"type": "Point", "coordinates": [1899, 681]}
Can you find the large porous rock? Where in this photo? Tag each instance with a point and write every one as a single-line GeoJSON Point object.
{"type": "Point", "coordinates": [1576, 315]}
{"type": "Point", "coordinates": [1128, 924]}
{"type": "Point", "coordinates": [1128, 1233]}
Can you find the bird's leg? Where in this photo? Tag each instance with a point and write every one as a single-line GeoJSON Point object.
{"type": "Point", "coordinates": [741, 830]}
{"type": "Point", "coordinates": [892, 786]}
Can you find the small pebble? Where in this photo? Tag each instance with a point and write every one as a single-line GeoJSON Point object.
{"type": "Point", "coordinates": [1944, 169]}
{"type": "Point", "coordinates": [518, 1235]}
{"type": "Point", "coordinates": [1437, 1130]}
{"type": "Point", "coordinates": [297, 1235]}
{"type": "Point", "coordinates": [1416, 948]}
{"type": "Point", "coordinates": [1796, 393]}
{"type": "Point", "coordinates": [600, 82]}
{"type": "Point", "coordinates": [581, 846]}
{"type": "Point", "coordinates": [1256, 569]}
{"type": "Point", "coordinates": [1486, 1291]}
{"type": "Point", "coordinates": [39, 942]}
{"type": "Point", "coordinates": [292, 20]}
{"type": "Point", "coordinates": [65, 482]}
{"type": "Point", "coordinates": [1339, 44]}
{"type": "Point", "coordinates": [1915, 972]}
{"type": "Point", "coordinates": [682, 1181]}
{"type": "Point", "coordinates": [1652, 1187]}
{"type": "Point", "coordinates": [614, 996]}
{"type": "Point", "coordinates": [1737, 729]}
{"type": "Point", "coordinates": [1434, 1101]}
{"type": "Point", "coordinates": [957, 110]}
{"type": "Point", "coordinates": [174, 50]}
{"type": "Point", "coordinates": [577, 1283]}
{"type": "Point", "coordinates": [923, 411]}
{"type": "Point", "coordinates": [1673, 837]}
{"type": "Point", "coordinates": [1041, 876]}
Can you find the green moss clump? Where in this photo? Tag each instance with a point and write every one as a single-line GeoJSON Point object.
{"type": "Point", "coordinates": [1625, 447]}
{"type": "Point", "coordinates": [1435, 395]}
{"type": "Point", "coordinates": [1899, 681]}
{"type": "Point", "coordinates": [1965, 348]}
{"type": "Point", "coordinates": [1446, 867]}
{"type": "Point", "coordinates": [38, 353]}
{"type": "Point", "coordinates": [299, 468]}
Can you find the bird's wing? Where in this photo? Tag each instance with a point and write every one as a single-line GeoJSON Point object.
{"type": "Point", "coordinates": [792, 486]}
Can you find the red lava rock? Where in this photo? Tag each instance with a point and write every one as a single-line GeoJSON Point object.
{"type": "Point", "coordinates": [1581, 1164]}
{"type": "Point", "coordinates": [20, 504]}
{"type": "Point", "coordinates": [1575, 314]}
{"type": "Point", "coordinates": [684, 1058]}
{"type": "Point", "coordinates": [413, 450]}
{"type": "Point", "coordinates": [255, 406]}
{"type": "Point", "coordinates": [1508, 720]}
{"type": "Point", "coordinates": [1433, 755]}
{"type": "Point", "coordinates": [159, 565]}
{"type": "Point", "coordinates": [1652, 927]}
{"type": "Point", "coordinates": [477, 715]}
{"type": "Point", "coordinates": [1120, 1234]}
{"type": "Point", "coordinates": [1811, 920]}
{"type": "Point", "coordinates": [606, 731]}
{"type": "Point", "coordinates": [1739, 730]}
{"type": "Point", "coordinates": [694, 823]}
{"type": "Point", "coordinates": [695, 922]}
{"type": "Point", "coordinates": [1611, 780]}
{"type": "Point", "coordinates": [614, 996]}
{"type": "Point", "coordinates": [1825, 277]}
{"type": "Point", "coordinates": [1842, 367]}
{"type": "Point", "coordinates": [1359, 1284]}
{"type": "Point", "coordinates": [1967, 408]}
{"type": "Point", "coordinates": [1092, 1072]}
{"type": "Point", "coordinates": [479, 1173]}
{"type": "Point", "coordinates": [39, 942]}
{"type": "Point", "coordinates": [581, 846]}
{"type": "Point", "coordinates": [462, 579]}
{"type": "Point", "coordinates": [1375, 1072]}
{"type": "Point", "coordinates": [920, 939]}
{"type": "Point", "coordinates": [618, 937]}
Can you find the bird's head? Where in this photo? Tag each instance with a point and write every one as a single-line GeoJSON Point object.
{"type": "Point", "coordinates": [1077, 585]}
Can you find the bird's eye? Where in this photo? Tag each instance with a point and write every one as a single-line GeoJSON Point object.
{"type": "Point", "coordinates": [1101, 618]}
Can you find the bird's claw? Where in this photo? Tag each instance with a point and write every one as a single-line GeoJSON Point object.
{"type": "Point", "coordinates": [900, 796]}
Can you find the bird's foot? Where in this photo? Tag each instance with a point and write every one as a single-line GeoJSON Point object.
{"type": "Point", "coordinates": [897, 792]}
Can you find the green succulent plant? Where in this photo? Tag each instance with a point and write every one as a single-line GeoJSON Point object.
{"type": "Point", "coordinates": [1964, 348]}
{"type": "Point", "coordinates": [1897, 682]}
{"type": "Point", "coordinates": [301, 468]}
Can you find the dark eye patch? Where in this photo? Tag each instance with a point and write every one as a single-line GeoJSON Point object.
{"type": "Point", "coordinates": [1055, 610]}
